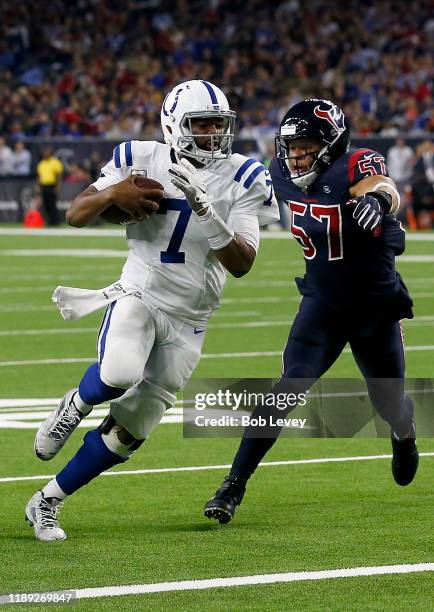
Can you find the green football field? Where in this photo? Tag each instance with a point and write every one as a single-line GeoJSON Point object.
{"type": "Point", "coordinates": [146, 527]}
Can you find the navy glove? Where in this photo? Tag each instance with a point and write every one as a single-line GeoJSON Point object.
{"type": "Point", "coordinates": [370, 209]}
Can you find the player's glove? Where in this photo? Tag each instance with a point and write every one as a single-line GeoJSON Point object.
{"type": "Point", "coordinates": [370, 208]}
{"type": "Point", "coordinates": [186, 178]}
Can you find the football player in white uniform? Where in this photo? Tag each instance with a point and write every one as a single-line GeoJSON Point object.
{"type": "Point", "coordinates": [150, 340]}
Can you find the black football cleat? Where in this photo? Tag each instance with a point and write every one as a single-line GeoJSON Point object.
{"type": "Point", "coordinates": [226, 499]}
{"type": "Point", "coordinates": [405, 458]}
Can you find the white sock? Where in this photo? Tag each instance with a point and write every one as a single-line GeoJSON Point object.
{"type": "Point", "coordinates": [52, 489]}
{"type": "Point", "coordinates": [80, 405]}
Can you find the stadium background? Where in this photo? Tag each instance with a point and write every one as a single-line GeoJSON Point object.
{"type": "Point", "coordinates": [84, 76]}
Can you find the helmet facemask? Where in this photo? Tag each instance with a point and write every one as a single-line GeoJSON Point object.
{"type": "Point", "coordinates": [202, 146]}
{"type": "Point", "coordinates": [302, 175]}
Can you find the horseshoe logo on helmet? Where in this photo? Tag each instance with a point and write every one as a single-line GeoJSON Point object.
{"type": "Point", "coordinates": [175, 102]}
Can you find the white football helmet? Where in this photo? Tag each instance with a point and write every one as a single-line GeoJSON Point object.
{"type": "Point", "coordinates": [193, 100]}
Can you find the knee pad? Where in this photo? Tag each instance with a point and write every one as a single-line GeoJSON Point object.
{"type": "Point", "coordinates": [122, 373]}
{"type": "Point", "coordinates": [141, 408]}
{"type": "Point", "coordinates": [117, 439]}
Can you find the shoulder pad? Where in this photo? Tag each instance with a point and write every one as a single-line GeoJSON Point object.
{"type": "Point", "coordinates": [362, 163]}
{"type": "Point", "coordinates": [123, 155]}
{"type": "Point", "coordinates": [128, 153]}
{"type": "Point", "coordinates": [248, 171]}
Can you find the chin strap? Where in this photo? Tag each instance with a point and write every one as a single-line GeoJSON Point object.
{"type": "Point", "coordinates": [306, 180]}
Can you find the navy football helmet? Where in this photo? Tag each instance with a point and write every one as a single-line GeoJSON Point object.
{"type": "Point", "coordinates": [315, 122]}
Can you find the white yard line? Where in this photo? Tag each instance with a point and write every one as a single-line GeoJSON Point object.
{"type": "Point", "coordinates": [26, 289]}
{"type": "Point", "coordinates": [26, 308]}
{"type": "Point", "coordinates": [122, 253]}
{"type": "Point", "coordinates": [422, 321]}
{"type": "Point", "coordinates": [29, 402]}
{"type": "Point", "coordinates": [26, 404]}
{"type": "Point", "coordinates": [48, 332]}
{"type": "Point", "coordinates": [89, 422]}
{"type": "Point", "coordinates": [251, 355]}
{"type": "Point", "coordinates": [277, 283]}
{"type": "Point", "coordinates": [72, 233]}
{"type": "Point", "coordinates": [205, 468]}
{"type": "Point", "coordinates": [226, 314]}
{"type": "Point", "coordinates": [233, 301]}
{"type": "Point", "coordinates": [237, 581]}
{"type": "Point", "coordinates": [110, 233]}
{"type": "Point", "coordinates": [212, 583]}
{"type": "Point", "coordinates": [29, 418]}
{"type": "Point", "coordinates": [64, 253]}
{"type": "Point", "coordinates": [47, 361]}
{"type": "Point", "coordinates": [415, 259]}
{"type": "Point", "coordinates": [237, 284]}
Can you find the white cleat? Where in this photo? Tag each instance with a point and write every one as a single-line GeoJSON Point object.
{"type": "Point", "coordinates": [56, 429]}
{"type": "Point", "coordinates": [42, 513]}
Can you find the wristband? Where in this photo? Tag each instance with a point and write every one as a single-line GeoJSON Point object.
{"type": "Point", "coordinates": [392, 208]}
{"type": "Point", "coordinates": [383, 197]}
{"type": "Point", "coordinates": [215, 229]}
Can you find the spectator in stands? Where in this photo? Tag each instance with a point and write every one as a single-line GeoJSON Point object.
{"type": "Point", "coordinates": [425, 158]}
{"type": "Point", "coordinates": [373, 61]}
{"type": "Point", "coordinates": [93, 165]}
{"type": "Point", "coordinates": [422, 186]}
{"type": "Point", "coordinates": [5, 158]}
{"type": "Point", "coordinates": [49, 171]}
{"type": "Point", "coordinates": [21, 160]}
{"type": "Point", "coordinates": [400, 163]}
{"type": "Point", "coordinates": [77, 174]}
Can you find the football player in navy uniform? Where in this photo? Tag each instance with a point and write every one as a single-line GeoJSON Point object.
{"type": "Point", "coordinates": [342, 206]}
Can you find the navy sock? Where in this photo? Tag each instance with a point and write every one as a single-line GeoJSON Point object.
{"type": "Point", "coordinates": [257, 440]}
{"type": "Point", "coordinates": [93, 391]}
{"type": "Point", "coordinates": [92, 458]}
{"type": "Point", "coordinates": [249, 455]}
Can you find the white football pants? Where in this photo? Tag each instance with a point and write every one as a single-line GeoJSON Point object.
{"type": "Point", "coordinates": [149, 353]}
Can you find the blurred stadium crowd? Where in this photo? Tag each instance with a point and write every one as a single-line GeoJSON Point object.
{"type": "Point", "coordinates": [99, 67]}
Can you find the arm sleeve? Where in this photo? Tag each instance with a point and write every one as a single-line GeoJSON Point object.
{"type": "Point", "coordinates": [246, 225]}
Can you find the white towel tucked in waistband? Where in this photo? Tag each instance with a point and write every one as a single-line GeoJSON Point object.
{"type": "Point", "coordinates": [75, 303]}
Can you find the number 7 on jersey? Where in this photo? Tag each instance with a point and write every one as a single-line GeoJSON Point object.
{"type": "Point", "coordinates": [172, 254]}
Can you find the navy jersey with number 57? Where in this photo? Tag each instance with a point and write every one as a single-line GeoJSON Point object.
{"type": "Point", "coordinates": [344, 263]}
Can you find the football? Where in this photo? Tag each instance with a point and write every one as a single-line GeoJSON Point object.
{"type": "Point", "coordinates": [118, 216]}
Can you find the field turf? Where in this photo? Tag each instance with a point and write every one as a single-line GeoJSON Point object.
{"type": "Point", "coordinates": [149, 528]}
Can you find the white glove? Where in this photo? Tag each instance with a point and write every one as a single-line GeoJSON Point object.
{"type": "Point", "coordinates": [186, 178]}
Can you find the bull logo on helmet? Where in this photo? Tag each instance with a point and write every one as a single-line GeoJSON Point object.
{"type": "Point", "coordinates": [331, 115]}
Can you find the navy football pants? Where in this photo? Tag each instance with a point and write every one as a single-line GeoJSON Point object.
{"type": "Point", "coordinates": [317, 338]}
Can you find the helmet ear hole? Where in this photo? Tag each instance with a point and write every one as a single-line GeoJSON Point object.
{"type": "Point", "coordinates": [169, 129]}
